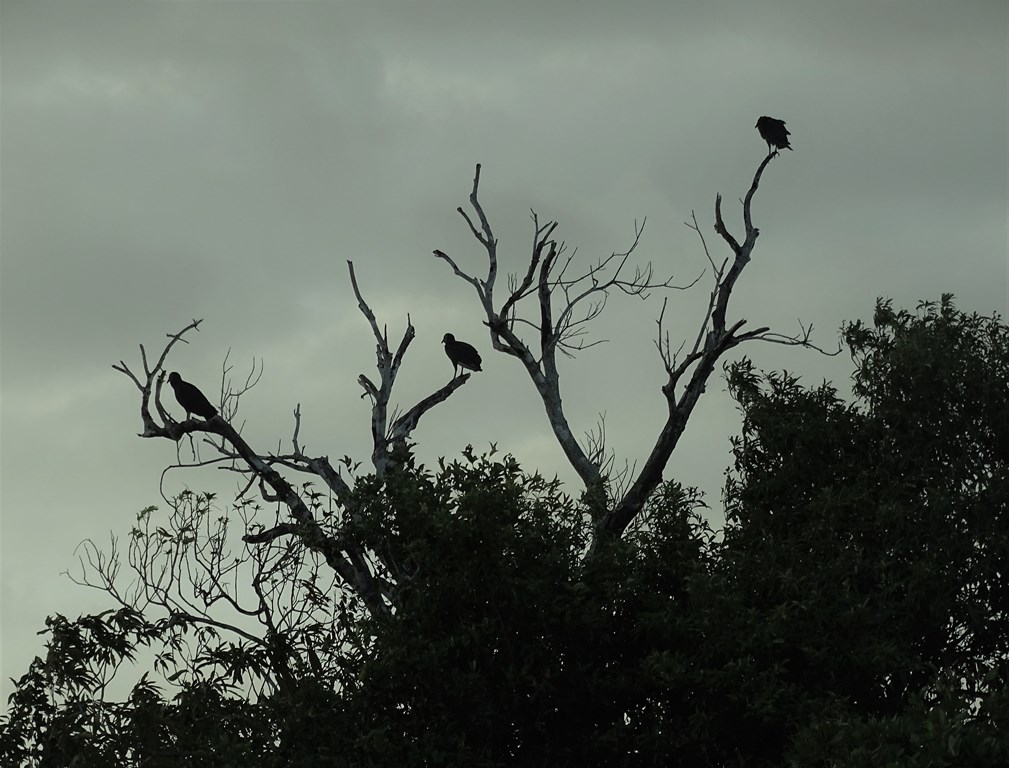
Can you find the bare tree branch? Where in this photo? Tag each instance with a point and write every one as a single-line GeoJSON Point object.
{"type": "Point", "coordinates": [151, 428]}
{"type": "Point", "coordinates": [717, 340]}
{"type": "Point", "coordinates": [558, 329]}
{"type": "Point", "coordinates": [388, 439]}
{"type": "Point", "coordinates": [565, 304]}
{"type": "Point", "coordinates": [273, 486]}
{"type": "Point", "coordinates": [390, 444]}
{"type": "Point", "coordinates": [185, 566]}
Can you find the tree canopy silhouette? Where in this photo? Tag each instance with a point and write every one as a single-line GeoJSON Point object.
{"type": "Point", "coordinates": [475, 614]}
{"type": "Point", "coordinates": [853, 614]}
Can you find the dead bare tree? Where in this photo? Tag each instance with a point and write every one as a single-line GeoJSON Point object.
{"type": "Point", "coordinates": [356, 567]}
{"type": "Point", "coordinates": [562, 302]}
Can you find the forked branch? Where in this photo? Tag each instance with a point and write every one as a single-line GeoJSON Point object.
{"type": "Point", "coordinates": [563, 304]}
{"type": "Point", "coordinates": [390, 434]}
{"type": "Point", "coordinates": [560, 306]}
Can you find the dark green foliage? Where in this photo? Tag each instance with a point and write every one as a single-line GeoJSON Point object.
{"type": "Point", "coordinates": [854, 613]}
{"type": "Point", "coordinates": [508, 649]}
{"type": "Point", "coordinates": [869, 542]}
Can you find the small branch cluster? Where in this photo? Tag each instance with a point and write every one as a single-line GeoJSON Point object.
{"type": "Point", "coordinates": [184, 567]}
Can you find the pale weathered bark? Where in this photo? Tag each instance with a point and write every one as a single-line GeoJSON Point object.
{"type": "Point", "coordinates": [561, 305]}
{"type": "Point", "coordinates": [563, 302]}
{"type": "Point", "coordinates": [390, 436]}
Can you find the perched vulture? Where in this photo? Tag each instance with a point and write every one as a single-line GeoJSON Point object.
{"type": "Point", "coordinates": [461, 354]}
{"type": "Point", "coordinates": [773, 132]}
{"type": "Point", "coordinates": [191, 398]}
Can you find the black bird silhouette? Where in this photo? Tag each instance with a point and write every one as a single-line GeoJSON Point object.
{"type": "Point", "coordinates": [191, 398]}
{"type": "Point", "coordinates": [773, 132]}
{"type": "Point", "coordinates": [461, 354]}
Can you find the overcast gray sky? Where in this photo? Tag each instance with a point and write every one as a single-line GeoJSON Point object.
{"type": "Point", "coordinates": [163, 161]}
